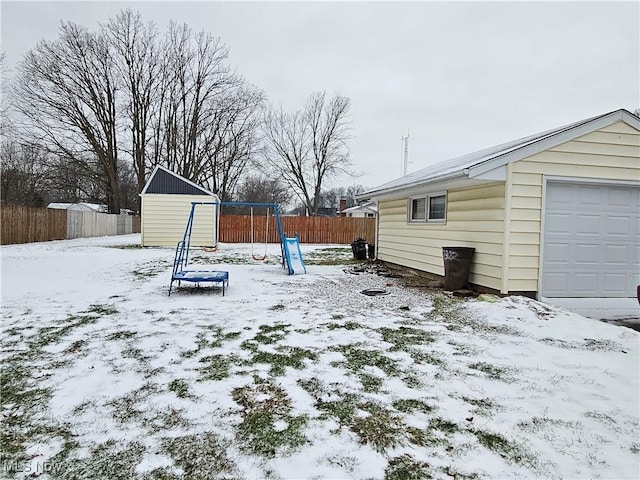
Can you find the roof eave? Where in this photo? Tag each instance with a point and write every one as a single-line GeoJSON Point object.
{"type": "Point", "coordinates": [397, 191]}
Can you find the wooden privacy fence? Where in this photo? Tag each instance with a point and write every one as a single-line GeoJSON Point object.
{"type": "Point", "coordinates": [337, 230]}
{"type": "Point", "coordinates": [28, 224]}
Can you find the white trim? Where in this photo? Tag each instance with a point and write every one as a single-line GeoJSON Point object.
{"type": "Point", "coordinates": [506, 246]}
{"type": "Point", "coordinates": [180, 177]}
{"type": "Point", "coordinates": [590, 180]}
{"type": "Point", "coordinates": [427, 220]}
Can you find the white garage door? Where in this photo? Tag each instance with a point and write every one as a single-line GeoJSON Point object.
{"type": "Point", "coordinates": [591, 245]}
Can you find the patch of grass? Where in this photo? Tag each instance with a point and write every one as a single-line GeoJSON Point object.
{"type": "Point", "coordinates": [356, 359]}
{"type": "Point", "coordinates": [180, 387]}
{"type": "Point", "coordinates": [151, 269]}
{"type": "Point", "coordinates": [404, 337]}
{"type": "Point", "coordinates": [410, 405]}
{"type": "Point", "coordinates": [112, 459]}
{"type": "Point", "coordinates": [200, 457]}
{"type": "Point", "coordinates": [213, 337]}
{"type": "Point", "coordinates": [420, 356]}
{"type": "Point", "coordinates": [131, 246]}
{"type": "Point", "coordinates": [451, 311]}
{"type": "Point", "coordinates": [370, 383]}
{"type": "Point", "coordinates": [271, 333]}
{"type": "Point", "coordinates": [216, 367]}
{"type": "Point", "coordinates": [268, 428]}
{"type": "Point", "coordinates": [286, 357]}
{"type": "Point", "coordinates": [507, 449]}
{"type": "Point", "coordinates": [346, 325]}
{"type": "Point", "coordinates": [101, 309]}
{"type": "Point", "coordinates": [405, 467]}
{"type": "Point", "coordinates": [483, 406]}
{"type": "Point", "coordinates": [442, 425]}
{"type": "Point", "coordinates": [382, 429]}
{"type": "Point", "coordinates": [278, 307]}
{"type": "Point", "coordinates": [537, 424]}
{"type": "Point", "coordinates": [128, 408]}
{"type": "Point", "coordinates": [121, 335]}
{"type": "Point", "coordinates": [492, 371]}
{"type": "Point", "coordinates": [343, 409]}
{"type": "Point", "coordinates": [330, 256]}
{"type": "Point", "coordinates": [75, 347]}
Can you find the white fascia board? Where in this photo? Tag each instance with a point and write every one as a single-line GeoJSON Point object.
{"type": "Point", "coordinates": [552, 141]}
{"type": "Point", "coordinates": [461, 181]}
{"type": "Point", "coordinates": [497, 174]}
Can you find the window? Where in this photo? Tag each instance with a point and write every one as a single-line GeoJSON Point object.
{"type": "Point", "coordinates": [429, 208]}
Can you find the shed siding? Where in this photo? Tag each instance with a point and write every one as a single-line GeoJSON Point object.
{"type": "Point", "coordinates": [611, 153]}
{"type": "Point", "coordinates": [164, 218]}
{"type": "Point", "coordinates": [474, 219]}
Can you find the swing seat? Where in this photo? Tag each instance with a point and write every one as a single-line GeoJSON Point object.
{"type": "Point", "coordinates": [210, 249]}
{"type": "Point", "coordinates": [259, 258]}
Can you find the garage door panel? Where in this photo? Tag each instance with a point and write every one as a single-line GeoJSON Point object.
{"type": "Point", "coordinates": [584, 224]}
{"type": "Point", "coordinates": [618, 254]}
{"type": "Point", "coordinates": [558, 253]}
{"type": "Point", "coordinates": [591, 243]}
{"type": "Point", "coordinates": [557, 282]}
{"type": "Point", "coordinates": [620, 198]}
{"type": "Point", "coordinates": [619, 225]}
{"type": "Point", "coordinates": [587, 254]}
{"type": "Point", "coordinates": [584, 283]}
{"type": "Point", "coordinates": [613, 282]}
{"type": "Point", "coordinates": [558, 222]}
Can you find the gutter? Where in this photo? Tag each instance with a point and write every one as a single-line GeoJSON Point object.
{"type": "Point", "coordinates": [373, 194]}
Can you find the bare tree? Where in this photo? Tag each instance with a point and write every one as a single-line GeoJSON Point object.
{"type": "Point", "coordinates": [137, 63]}
{"type": "Point", "coordinates": [258, 188]}
{"type": "Point", "coordinates": [306, 148]}
{"type": "Point", "coordinates": [233, 135]}
{"type": "Point", "coordinates": [197, 76]}
{"type": "Point", "coordinates": [66, 89]}
{"type": "Point", "coordinates": [24, 175]}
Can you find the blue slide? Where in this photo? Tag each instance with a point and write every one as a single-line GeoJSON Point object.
{"type": "Point", "coordinates": [293, 256]}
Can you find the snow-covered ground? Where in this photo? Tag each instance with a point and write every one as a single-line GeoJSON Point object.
{"type": "Point", "coordinates": [105, 376]}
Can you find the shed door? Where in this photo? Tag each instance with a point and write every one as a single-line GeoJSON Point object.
{"type": "Point", "coordinates": [591, 245]}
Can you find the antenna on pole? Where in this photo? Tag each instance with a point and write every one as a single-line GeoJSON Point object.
{"type": "Point", "coordinates": [405, 154]}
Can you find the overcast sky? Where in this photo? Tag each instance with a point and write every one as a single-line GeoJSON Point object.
{"type": "Point", "coordinates": [459, 76]}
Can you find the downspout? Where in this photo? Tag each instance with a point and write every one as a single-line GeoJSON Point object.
{"type": "Point", "coordinates": [506, 240]}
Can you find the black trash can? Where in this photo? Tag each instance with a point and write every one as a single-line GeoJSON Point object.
{"type": "Point", "coordinates": [457, 264]}
{"type": "Point", "coordinates": [359, 249]}
{"type": "Point", "coordinates": [372, 251]}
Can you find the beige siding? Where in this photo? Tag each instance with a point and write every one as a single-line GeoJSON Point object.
{"type": "Point", "coordinates": [474, 219]}
{"type": "Point", "coordinates": [164, 218]}
{"type": "Point", "coordinates": [611, 153]}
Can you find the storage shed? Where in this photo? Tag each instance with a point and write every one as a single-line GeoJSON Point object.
{"type": "Point", "coordinates": [556, 214]}
{"type": "Point", "coordinates": [166, 204]}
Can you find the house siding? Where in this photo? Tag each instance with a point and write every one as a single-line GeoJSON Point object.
{"type": "Point", "coordinates": [474, 219]}
{"type": "Point", "coordinates": [611, 153]}
{"type": "Point", "coordinates": [164, 218]}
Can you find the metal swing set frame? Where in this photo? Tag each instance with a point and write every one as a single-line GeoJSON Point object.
{"type": "Point", "coordinates": [290, 247]}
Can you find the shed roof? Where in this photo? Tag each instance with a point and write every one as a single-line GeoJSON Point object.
{"type": "Point", "coordinates": [164, 181]}
{"type": "Point", "coordinates": [365, 207]}
{"type": "Point", "coordinates": [482, 161]}
{"type": "Point", "coordinates": [86, 206]}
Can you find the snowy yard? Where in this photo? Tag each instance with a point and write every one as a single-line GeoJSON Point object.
{"type": "Point", "coordinates": [106, 377]}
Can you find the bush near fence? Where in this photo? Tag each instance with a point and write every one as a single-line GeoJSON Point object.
{"type": "Point", "coordinates": [336, 230]}
{"type": "Point", "coordinates": [22, 224]}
